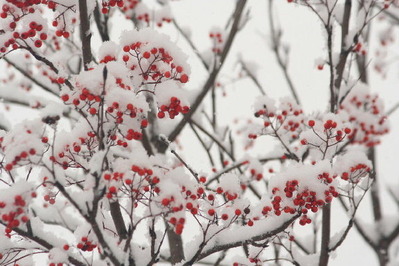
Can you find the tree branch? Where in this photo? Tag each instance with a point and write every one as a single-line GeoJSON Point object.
{"type": "Point", "coordinates": [212, 77]}
{"type": "Point", "coordinates": [85, 33]}
{"type": "Point", "coordinates": [263, 236]}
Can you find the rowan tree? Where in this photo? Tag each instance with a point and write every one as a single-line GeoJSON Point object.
{"type": "Point", "coordinates": [98, 171]}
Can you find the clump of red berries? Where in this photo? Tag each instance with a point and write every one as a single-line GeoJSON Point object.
{"type": "Point", "coordinates": [173, 109]}
{"type": "Point", "coordinates": [86, 245]}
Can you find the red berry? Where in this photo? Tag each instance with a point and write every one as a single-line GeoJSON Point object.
{"type": "Point", "coordinates": [179, 229]}
{"type": "Point", "coordinates": [76, 148]}
{"type": "Point", "coordinates": [144, 123]}
{"type": "Point", "coordinates": [65, 97]}
{"type": "Point", "coordinates": [93, 111]}
{"type": "Point", "coordinates": [38, 43]}
{"type": "Point", "coordinates": [311, 123]}
{"type": "Point", "coordinates": [146, 55]}
{"type": "Point", "coordinates": [184, 78]}
{"type": "Point", "coordinates": [165, 202]}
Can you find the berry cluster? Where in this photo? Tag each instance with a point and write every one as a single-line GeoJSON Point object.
{"type": "Point", "coordinates": [136, 182]}
{"type": "Point", "coordinates": [355, 173]}
{"type": "Point", "coordinates": [68, 156]}
{"type": "Point", "coordinates": [286, 120]}
{"type": "Point", "coordinates": [22, 148]}
{"type": "Point", "coordinates": [154, 63]}
{"type": "Point", "coordinates": [14, 213]}
{"type": "Point", "coordinates": [111, 3]}
{"type": "Point", "coordinates": [86, 245]}
{"type": "Point", "coordinates": [107, 58]}
{"type": "Point", "coordinates": [202, 203]}
{"type": "Point", "coordinates": [49, 198]}
{"type": "Point", "coordinates": [359, 48]}
{"type": "Point", "coordinates": [178, 224]}
{"type": "Point", "coordinates": [121, 113]}
{"type": "Point", "coordinates": [256, 175]}
{"type": "Point", "coordinates": [173, 109]}
{"type": "Point", "coordinates": [218, 39]}
{"type": "Point", "coordinates": [18, 15]}
{"type": "Point", "coordinates": [20, 159]}
{"type": "Point", "coordinates": [129, 6]}
{"type": "Point", "coordinates": [329, 132]}
{"type": "Point", "coordinates": [302, 198]}
{"type": "Point", "coordinates": [61, 31]}
{"type": "Point", "coordinates": [55, 264]}
{"type": "Point", "coordinates": [146, 14]}
{"type": "Point", "coordinates": [367, 115]}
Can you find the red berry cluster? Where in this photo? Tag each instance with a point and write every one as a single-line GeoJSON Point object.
{"type": "Point", "coordinates": [359, 48]}
{"type": "Point", "coordinates": [178, 224]}
{"type": "Point", "coordinates": [141, 176]}
{"type": "Point", "coordinates": [50, 199]}
{"type": "Point", "coordinates": [156, 58]}
{"type": "Point", "coordinates": [173, 109]}
{"type": "Point", "coordinates": [256, 175]}
{"type": "Point", "coordinates": [229, 196]}
{"type": "Point", "coordinates": [86, 245]}
{"type": "Point", "coordinates": [217, 40]}
{"type": "Point", "coordinates": [355, 173]}
{"type": "Point", "coordinates": [326, 178]}
{"type": "Point", "coordinates": [129, 111]}
{"type": "Point", "coordinates": [128, 6]}
{"type": "Point", "coordinates": [24, 5]}
{"type": "Point", "coordinates": [303, 200]}
{"type": "Point", "coordinates": [193, 206]}
{"type": "Point", "coordinates": [287, 120]}
{"type": "Point", "coordinates": [18, 10]}
{"type": "Point", "coordinates": [22, 158]}
{"type": "Point", "coordinates": [122, 85]}
{"type": "Point", "coordinates": [107, 58]}
{"type": "Point", "coordinates": [89, 102]}
{"type": "Point", "coordinates": [369, 125]}
{"type": "Point", "coordinates": [156, 18]}
{"type": "Point", "coordinates": [67, 156]}
{"type": "Point", "coordinates": [61, 32]}
{"type": "Point", "coordinates": [333, 131]}
{"type": "Point", "coordinates": [56, 264]}
{"type": "Point", "coordinates": [17, 215]}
